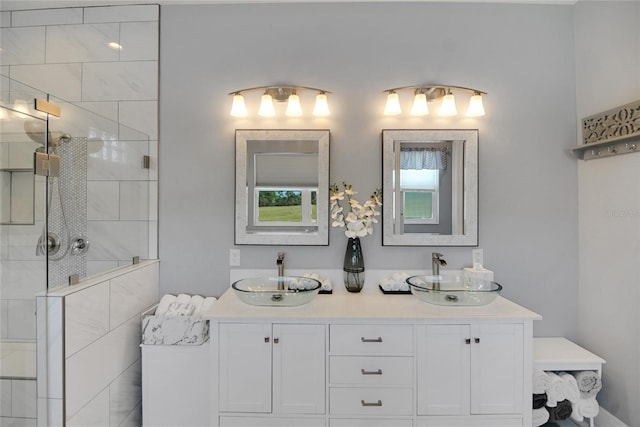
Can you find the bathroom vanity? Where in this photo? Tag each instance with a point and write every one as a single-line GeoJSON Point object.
{"type": "Point", "coordinates": [365, 359]}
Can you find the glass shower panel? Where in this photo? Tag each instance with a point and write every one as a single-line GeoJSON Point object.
{"type": "Point", "coordinates": [103, 199]}
{"type": "Point", "coordinates": [22, 219]}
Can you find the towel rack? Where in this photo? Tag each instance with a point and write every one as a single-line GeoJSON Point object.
{"type": "Point", "coordinates": [612, 132]}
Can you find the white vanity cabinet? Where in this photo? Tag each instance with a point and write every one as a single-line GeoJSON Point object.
{"type": "Point", "coordinates": [368, 359]}
{"type": "Point", "coordinates": [474, 370]}
{"type": "Point", "coordinates": [266, 368]}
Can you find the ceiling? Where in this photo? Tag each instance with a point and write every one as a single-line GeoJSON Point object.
{"type": "Point", "coordinates": [46, 4]}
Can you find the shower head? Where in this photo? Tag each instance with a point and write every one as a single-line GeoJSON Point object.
{"type": "Point", "coordinates": [35, 130]}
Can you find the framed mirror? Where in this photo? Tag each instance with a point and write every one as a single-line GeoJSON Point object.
{"type": "Point", "coordinates": [282, 187]}
{"type": "Point", "coordinates": [430, 187]}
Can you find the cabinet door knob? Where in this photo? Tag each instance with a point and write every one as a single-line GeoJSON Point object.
{"type": "Point", "coordinates": [276, 340]}
{"type": "Point", "coordinates": [363, 339]}
{"type": "Point", "coordinates": [378, 372]}
{"type": "Point", "coordinates": [467, 341]}
{"type": "Point", "coordinates": [378, 403]}
{"type": "Point", "coordinates": [266, 339]}
{"type": "Point", "coordinates": [477, 340]}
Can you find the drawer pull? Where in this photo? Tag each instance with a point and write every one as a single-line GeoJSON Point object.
{"type": "Point", "coordinates": [378, 403]}
{"type": "Point", "coordinates": [363, 339]}
{"type": "Point", "coordinates": [378, 372]}
{"type": "Point", "coordinates": [467, 341]}
{"type": "Point", "coordinates": [476, 340]}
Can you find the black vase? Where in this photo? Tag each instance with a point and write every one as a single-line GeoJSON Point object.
{"type": "Point", "coordinates": [353, 266]}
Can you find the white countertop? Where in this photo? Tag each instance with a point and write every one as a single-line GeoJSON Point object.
{"type": "Point", "coordinates": [371, 305]}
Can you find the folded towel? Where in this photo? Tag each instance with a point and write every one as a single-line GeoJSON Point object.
{"type": "Point", "coordinates": [197, 302]}
{"type": "Point", "coordinates": [540, 381]}
{"type": "Point", "coordinates": [589, 383]}
{"type": "Point", "coordinates": [326, 285]}
{"type": "Point", "coordinates": [540, 417]}
{"type": "Point", "coordinates": [404, 286]}
{"type": "Point", "coordinates": [208, 303]}
{"type": "Point", "coordinates": [179, 309]}
{"type": "Point", "coordinates": [585, 408]}
{"type": "Point", "coordinates": [572, 391]}
{"type": "Point", "coordinates": [539, 400]}
{"type": "Point", "coordinates": [556, 391]}
{"type": "Point", "coordinates": [561, 411]}
{"type": "Point", "coordinates": [163, 306]}
{"type": "Point", "coordinates": [183, 299]}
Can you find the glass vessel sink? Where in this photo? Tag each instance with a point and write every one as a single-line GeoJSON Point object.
{"type": "Point", "coordinates": [285, 291]}
{"type": "Point", "coordinates": [453, 290]}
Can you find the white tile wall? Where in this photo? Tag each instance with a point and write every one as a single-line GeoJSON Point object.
{"type": "Point", "coordinates": [23, 399]}
{"type": "Point", "coordinates": [139, 41]}
{"type": "Point", "coordinates": [119, 240]}
{"type": "Point", "coordinates": [32, 18]}
{"type": "Point", "coordinates": [86, 317]}
{"type": "Point", "coordinates": [134, 200]}
{"type": "Point", "coordinates": [5, 398]}
{"type": "Point", "coordinates": [121, 14]}
{"type": "Point", "coordinates": [114, 81]}
{"type": "Point", "coordinates": [103, 377]}
{"type": "Point", "coordinates": [82, 43]}
{"type": "Point", "coordinates": [132, 294]}
{"type": "Point", "coordinates": [22, 45]}
{"type": "Point", "coordinates": [125, 393]}
{"type": "Point", "coordinates": [94, 413]}
{"type": "Point", "coordinates": [66, 84]}
{"type": "Point", "coordinates": [64, 52]}
{"type": "Point", "coordinates": [103, 200]}
{"type": "Point", "coordinates": [21, 319]}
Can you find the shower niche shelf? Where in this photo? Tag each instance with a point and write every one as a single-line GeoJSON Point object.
{"type": "Point", "coordinates": [17, 196]}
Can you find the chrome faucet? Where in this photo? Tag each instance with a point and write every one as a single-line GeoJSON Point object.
{"type": "Point", "coordinates": [280, 264]}
{"type": "Point", "coordinates": [436, 262]}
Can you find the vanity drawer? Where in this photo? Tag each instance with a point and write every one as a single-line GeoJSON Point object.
{"type": "Point", "coordinates": [371, 339]}
{"type": "Point", "coordinates": [371, 401]}
{"type": "Point", "coordinates": [371, 370]}
{"type": "Point", "coordinates": [368, 422]}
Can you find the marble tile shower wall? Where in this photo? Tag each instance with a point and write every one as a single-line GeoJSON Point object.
{"type": "Point", "coordinates": [64, 52]}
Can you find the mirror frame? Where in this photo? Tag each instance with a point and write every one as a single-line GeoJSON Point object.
{"type": "Point", "coordinates": [284, 237]}
{"type": "Point", "coordinates": [470, 184]}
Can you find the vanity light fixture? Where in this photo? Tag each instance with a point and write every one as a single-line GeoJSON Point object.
{"type": "Point", "coordinates": [287, 94]}
{"type": "Point", "coordinates": [429, 93]}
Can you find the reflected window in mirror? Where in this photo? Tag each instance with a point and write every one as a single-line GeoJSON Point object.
{"type": "Point", "coordinates": [430, 187]}
{"type": "Point", "coordinates": [282, 187]}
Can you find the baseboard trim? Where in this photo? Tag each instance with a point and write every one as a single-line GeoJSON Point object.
{"type": "Point", "coordinates": [605, 419]}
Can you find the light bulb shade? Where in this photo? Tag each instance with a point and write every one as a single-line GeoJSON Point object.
{"type": "Point", "coordinates": [293, 106]}
{"type": "Point", "coordinates": [238, 108]}
{"type": "Point", "coordinates": [266, 106]}
{"type": "Point", "coordinates": [448, 107]}
{"type": "Point", "coordinates": [393, 105]}
{"type": "Point", "coordinates": [420, 107]}
{"type": "Point", "coordinates": [321, 107]}
{"type": "Point", "coordinates": [476, 108]}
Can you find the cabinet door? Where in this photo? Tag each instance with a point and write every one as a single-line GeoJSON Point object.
{"type": "Point", "coordinates": [443, 369]}
{"type": "Point", "coordinates": [245, 367]}
{"type": "Point", "coordinates": [497, 364]}
{"type": "Point", "coordinates": [299, 369]}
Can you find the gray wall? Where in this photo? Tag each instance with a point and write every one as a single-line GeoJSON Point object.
{"type": "Point", "coordinates": [522, 55]}
{"type": "Point", "coordinates": [608, 76]}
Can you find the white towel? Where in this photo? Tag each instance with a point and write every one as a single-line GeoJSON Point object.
{"type": "Point", "coordinates": [540, 381]}
{"type": "Point", "coordinates": [163, 306]}
{"type": "Point", "coordinates": [556, 391]}
{"type": "Point", "coordinates": [179, 309]}
{"type": "Point", "coordinates": [589, 383]}
{"type": "Point", "coordinates": [585, 408]}
{"type": "Point", "coordinates": [572, 391]}
{"type": "Point", "coordinates": [183, 299]}
{"type": "Point", "coordinates": [326, 285]}
{"type": "Point", "coordinates": [208, 303]}
{"type": "Point", "coordinates": [540, 417]}
{"type": "Point", "coordinates": [197, 302]}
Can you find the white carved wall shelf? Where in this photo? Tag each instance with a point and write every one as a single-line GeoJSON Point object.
{"type": "Point", "coordinates": [612, 132]}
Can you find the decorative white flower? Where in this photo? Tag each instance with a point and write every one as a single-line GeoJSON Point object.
{"type": "Point", "coordinates": [360, 218]}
